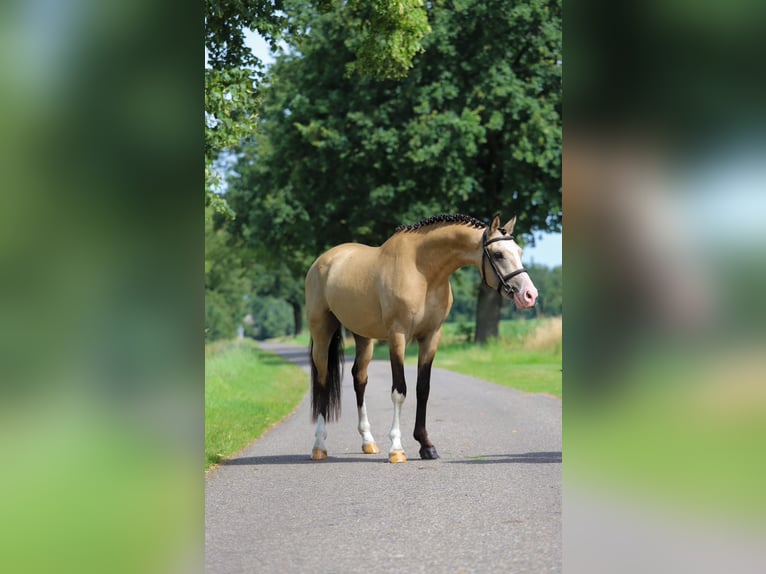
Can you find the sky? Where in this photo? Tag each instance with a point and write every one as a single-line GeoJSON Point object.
{"type": "Point", "coordinates": [548, 248]}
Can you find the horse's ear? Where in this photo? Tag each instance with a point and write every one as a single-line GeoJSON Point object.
{"type": "Point", "coordinates": [495, 223]}
{"type": "Point", "coordinates": [509, 226]}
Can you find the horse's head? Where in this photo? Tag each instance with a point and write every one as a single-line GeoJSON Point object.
{"type": "Point", "coordinates": [501, 266]}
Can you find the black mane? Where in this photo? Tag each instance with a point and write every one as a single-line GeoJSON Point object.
{"type": "Point", "coordinates": [458, 219]}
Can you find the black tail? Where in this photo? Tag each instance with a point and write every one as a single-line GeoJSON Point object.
{"type": "Point", "coordinates": [325, 400]}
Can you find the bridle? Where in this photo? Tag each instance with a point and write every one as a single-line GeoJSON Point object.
{"type": "Point", "coordinates": [502, 280]}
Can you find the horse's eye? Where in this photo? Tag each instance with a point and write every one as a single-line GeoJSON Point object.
{"type": "Point", "coordinates": [497, 255]}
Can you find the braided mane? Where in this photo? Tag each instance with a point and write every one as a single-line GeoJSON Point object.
{"type": "Point", "coordinates": [457, 219]}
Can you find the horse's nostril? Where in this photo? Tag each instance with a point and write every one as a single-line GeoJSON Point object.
{"type": "Point", "coordinates": [528, 296]}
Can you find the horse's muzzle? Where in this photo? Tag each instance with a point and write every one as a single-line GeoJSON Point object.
{"type": "Point", "coordinates": [526, 296]}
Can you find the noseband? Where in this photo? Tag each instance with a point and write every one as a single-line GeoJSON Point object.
{"type": "Point", "coordinates": [502, 280]}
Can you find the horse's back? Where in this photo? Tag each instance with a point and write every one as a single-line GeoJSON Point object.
{"type": "Point", "coordinates": [344, 266]}
{"type": "Point", "coordinates": [342, 260]}
{"type": "Point", "coordinates": [343, 281]}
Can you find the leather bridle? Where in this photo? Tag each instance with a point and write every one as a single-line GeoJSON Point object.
{"type": "Point", "coordinates": [502, 280]}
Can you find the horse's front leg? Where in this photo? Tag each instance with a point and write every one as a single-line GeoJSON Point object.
{"type": "Point", "coordinates": [426, 353]}
{"type": "Point", "coordinates": [396, 344]}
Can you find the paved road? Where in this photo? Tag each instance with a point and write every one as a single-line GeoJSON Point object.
{"type": "Point", "coordinates": [492, 503]}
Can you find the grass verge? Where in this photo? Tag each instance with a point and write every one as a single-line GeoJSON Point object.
{"type": "Point", "coordinates": [246, 391]}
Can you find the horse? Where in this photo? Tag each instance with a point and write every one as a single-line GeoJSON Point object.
{"type": "Point", "coordinates": [398, 292]}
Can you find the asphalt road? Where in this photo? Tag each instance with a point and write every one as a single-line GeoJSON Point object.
{"type": "Point", "coordinates": [492, 503]}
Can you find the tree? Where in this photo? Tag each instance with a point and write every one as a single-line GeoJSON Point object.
{"type": "Point", "coordinates": [549, 283]}
{"type": "Point", "coordinates": [277, 280]}
{"type": "Point", "coordinates": [232, 78]}
{"type": "Point", "coordinates": [271, 317]}
{"type": "Point", "coordinates": [227, 281]}
{"type": "Point", "coordinates": [473, 128]}
{"type": "Point", "coordinates": [384, 36]}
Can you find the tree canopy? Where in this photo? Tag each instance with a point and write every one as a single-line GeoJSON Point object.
{"type": "Point", "coordinates": [383, 35]}
{"type": "Point", "coordinates": [474, 127]}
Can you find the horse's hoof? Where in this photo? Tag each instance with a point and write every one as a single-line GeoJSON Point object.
{"type": "Point", "coordinates": [428, 453]}
{"type": "Point", "coordinates": [397, 456]}
{"type": "Point", "coordinates": [370, 448]}
{"type": "Point", "coordinates": [318, 454]}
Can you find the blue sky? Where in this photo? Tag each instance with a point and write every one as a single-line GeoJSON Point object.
{"type": "Point", "coordinates": [548, 248]}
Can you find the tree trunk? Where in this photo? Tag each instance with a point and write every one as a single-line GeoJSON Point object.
{"type": "Point", "coordinates": [487, 314]}
{"type": "Point", "coordinates": [297, 317]}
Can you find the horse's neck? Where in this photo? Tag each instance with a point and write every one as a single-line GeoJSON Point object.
{"type": "Point", "coordinates": [443, 250]}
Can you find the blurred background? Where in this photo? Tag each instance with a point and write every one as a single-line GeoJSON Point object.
{"type": "Point", "coordinates": [664, 179]}
{"type": "Point", "coordinates": [101, 289]}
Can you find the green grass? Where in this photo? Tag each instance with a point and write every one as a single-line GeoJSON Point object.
{"type": "Point", "coordinates": [685, 433]}
{"type": "Point", "coordinates": [520, 358]}
{"type": "Point", "coordinates": [95, 490]}
{"type": "Point", "coordinates": [659, 449]}
{"type": "Point", "coordinates": [501, 363]}
{"type": "Point", "coordinates": [246, 391]}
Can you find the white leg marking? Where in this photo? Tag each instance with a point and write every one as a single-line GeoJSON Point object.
{"type": "Point", "coordinates": [396, 434]}
{"type": "Point", "coordinates": [364, 425]}
{"type": "Point", "coordinates": [320, 434]}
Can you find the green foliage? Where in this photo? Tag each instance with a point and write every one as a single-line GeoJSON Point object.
{"type": "Point", "coordinates": [225, 24]}
{"type": "Point", "coordinates": [272, 317]}
{"type": "Point", "coordinates": [231, 109]}
{"type": "Point", "coordinates": [226, 281]}
{"type": "Point", "coordinates": [385, 35]}
{"type": "Point", "coordinates": [232, 76]}
{"type": "Point", "coordinates": [221, 318]}
{"type": "Point", "coordinates": [232, 102]}
{"type": "Point", "coordinates": [246, 391]}
{"type": "Point", "coordinates": [549, 283]}
{"type": "Point", "coordinates": [464, 284]}
{"type": "Point", "coordinates": [388, 35]}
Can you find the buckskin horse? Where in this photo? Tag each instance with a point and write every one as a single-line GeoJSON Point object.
{"type": "Point", "coordinates": [399, 291]}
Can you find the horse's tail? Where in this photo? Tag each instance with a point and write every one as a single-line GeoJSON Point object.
{"type": "Point", "coordinates": [325, 399]}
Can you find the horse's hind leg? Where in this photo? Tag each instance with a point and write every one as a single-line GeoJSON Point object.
{"type": "Point", "coordinates": [426, 353]}
{"type": "Point", "coordinates": [324, 340]}
{"type": "Point", "coordinates": [359, 371]}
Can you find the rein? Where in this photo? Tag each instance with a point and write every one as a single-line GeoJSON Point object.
{"type": "Point", "coordinates": [502, 280]}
